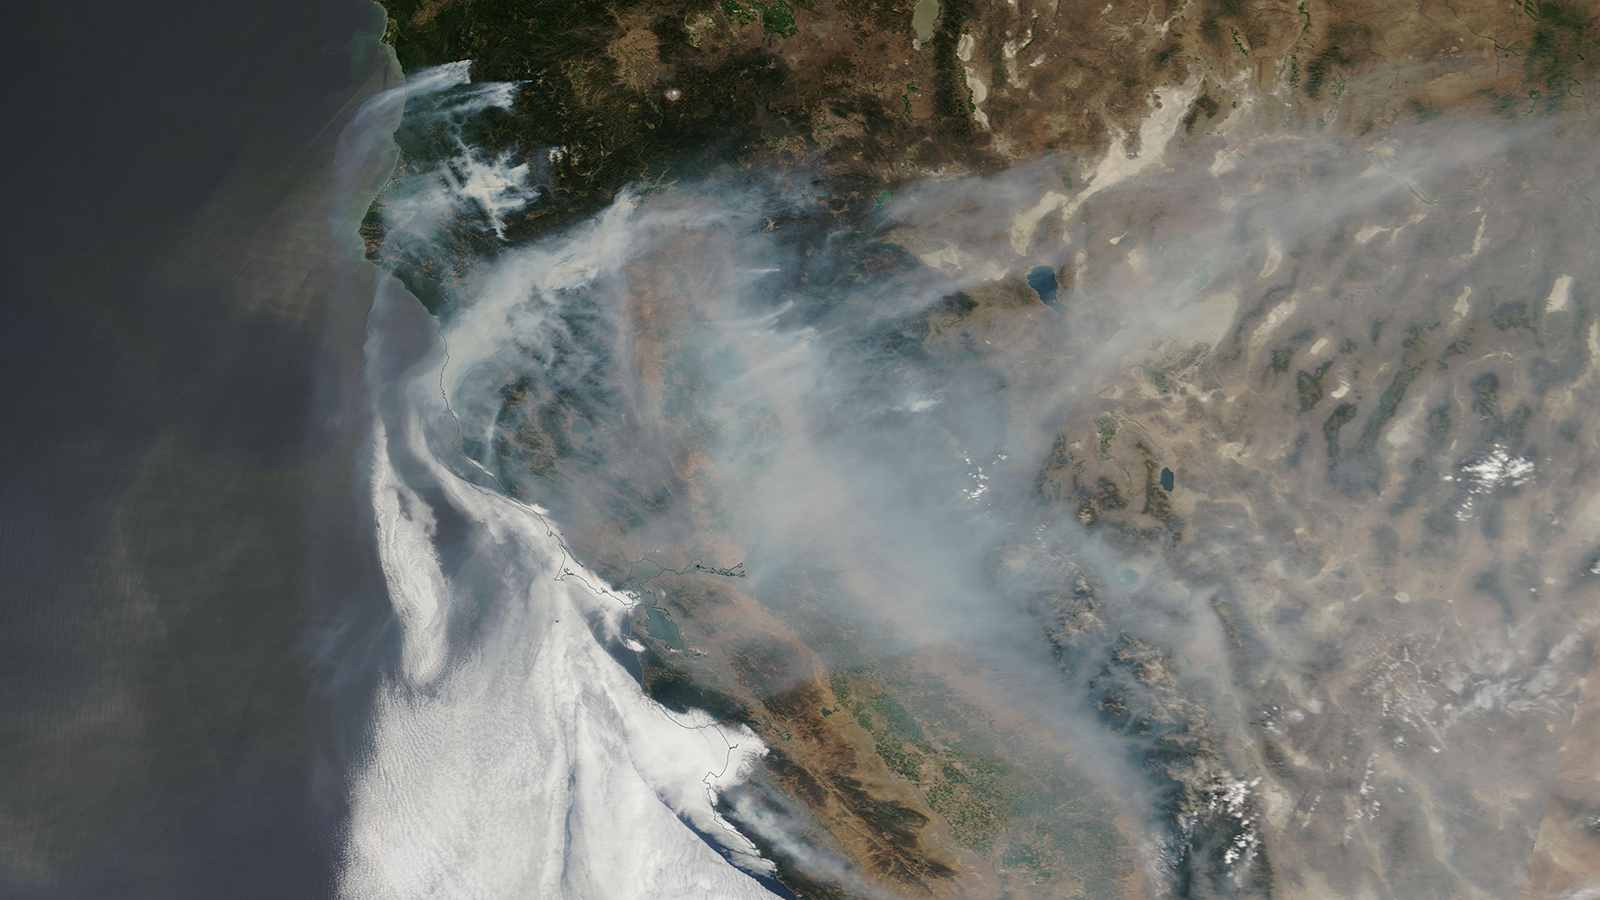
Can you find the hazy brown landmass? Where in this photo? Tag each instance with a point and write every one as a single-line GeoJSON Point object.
{"type": "Point", "coordinates": [1385, 509]}
{"type": "Point", "coordinates": [646, 93]}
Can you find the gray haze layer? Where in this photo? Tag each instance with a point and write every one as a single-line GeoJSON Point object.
{"type": "Point", "coordinates": [1283, 522]}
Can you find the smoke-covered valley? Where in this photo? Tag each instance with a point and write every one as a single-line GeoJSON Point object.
{"type": "Point", "coordinates": [1208, 515]}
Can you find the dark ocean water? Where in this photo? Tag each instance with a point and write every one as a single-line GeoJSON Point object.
{"type": "Point", "coordinates": [181, 551]}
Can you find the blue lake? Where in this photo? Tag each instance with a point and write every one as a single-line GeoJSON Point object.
{"type": "Point", "coordinates": [1043, 281]}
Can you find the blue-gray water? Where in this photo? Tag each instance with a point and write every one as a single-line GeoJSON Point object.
{"type": "Point", "coordinates": [1043, 281]}
{"type": "Point", "coordinates": [180, 552]}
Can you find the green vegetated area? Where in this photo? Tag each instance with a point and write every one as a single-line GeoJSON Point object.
{"type": "Point", "coordinates": [1033, 818]}
{"type": "Point", "coordinates": [1559, 48]}
{"type": "Point", "coordinates": [608, 111]}
{"type": "Point", "coordinates": [1105, 428]}
{"type": "Point", "coordinates": [1345, 46]}
{"type": "Point", "coordinates": [1249, 27]}
{"type": "Point", "coordinates": [645, 93]}
{"type": "Point", "coordinates": [776, 17]}
{"type": "Point", "coordinates": [1560, 52]}
{"type": "Point", "coordinates": [1165, 376]}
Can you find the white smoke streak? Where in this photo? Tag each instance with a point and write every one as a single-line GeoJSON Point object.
{"type": "Point", "coordinates": [525, 762]}
{"type": "Point", "coordinates": [493, 185]}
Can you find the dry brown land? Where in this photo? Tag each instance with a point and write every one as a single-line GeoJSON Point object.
{"type": "Point", "coordinates": [1378, 421]}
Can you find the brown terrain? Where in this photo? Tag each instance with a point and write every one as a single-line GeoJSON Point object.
{"type": "Point", "coordinates": [1385, 508]}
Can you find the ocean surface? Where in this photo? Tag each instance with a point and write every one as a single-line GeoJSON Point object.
{"type": "Point", "coordinates": [183, 315]}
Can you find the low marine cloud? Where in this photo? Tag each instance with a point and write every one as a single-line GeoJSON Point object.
{"type": "Point", "coordinates": [882, 422]}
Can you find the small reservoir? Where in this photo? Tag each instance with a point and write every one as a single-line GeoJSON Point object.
{"type": "Point", "coordinates": [922, 19]}
{"type": "Point", "coordinates": [1043, 281]}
